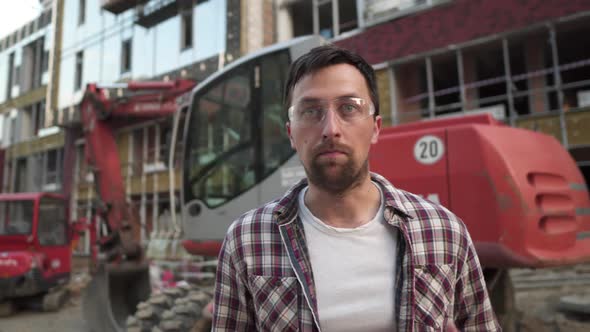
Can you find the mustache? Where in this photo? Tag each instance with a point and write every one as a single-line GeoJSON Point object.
{"type": "Point", "coordinates": [331, 146]}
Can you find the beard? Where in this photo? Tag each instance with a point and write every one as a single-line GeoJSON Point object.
{"type": "Point", "coordinates": [336, 178]}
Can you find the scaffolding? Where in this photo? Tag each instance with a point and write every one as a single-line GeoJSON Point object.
{"type": "Point", "coordinates": [543, 86]}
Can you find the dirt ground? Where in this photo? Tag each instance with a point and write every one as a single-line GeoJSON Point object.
{"type": "Point", "coordinates": [537, 296]}
{"type": "Point", "coordinates": [68, 319]}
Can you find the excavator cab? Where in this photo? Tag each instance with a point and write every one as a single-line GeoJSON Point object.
{"type": "Point", "coordinates": [35, 252]}
{"type": "Point", "coordinates": [237, 152]}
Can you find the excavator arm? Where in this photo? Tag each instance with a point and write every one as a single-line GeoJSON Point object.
{"type": "Point", "coordinates": [121, 275]}
{"type": "Point", "coordinates": [100, 117]}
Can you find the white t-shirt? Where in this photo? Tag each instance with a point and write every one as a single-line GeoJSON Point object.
{"type": "Point", "coordinates": [354, 272]}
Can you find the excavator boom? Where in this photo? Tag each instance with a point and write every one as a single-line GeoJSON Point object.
{"type": "Point", "coordinates": [121, 275]}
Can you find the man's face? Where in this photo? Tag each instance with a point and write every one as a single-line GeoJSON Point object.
{"type": "Point", "coordinates": [334, 152]}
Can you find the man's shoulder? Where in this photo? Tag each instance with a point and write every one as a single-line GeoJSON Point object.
{"type": "Point", "coordinates": [254, 222]}
{"type": "Point", "coordinates": [422, 212]}
{"type": "Point", "coordinates": [432, 227]}
{"type": "Point", "coordinates": [427, 214]}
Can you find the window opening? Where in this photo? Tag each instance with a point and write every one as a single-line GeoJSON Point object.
{"type": "Point", "coordinates": [187, 29]}
{"type": "Point", "coordinates": [52, 227]}
{"type": "Point", "coordinates": [16, 217]}
{"type": "Point", "coordinates": [81, 12]}
{"type": "Point", "coordinates": [126, 56]}
{"type": "Point", "coordinates": [78, 71]}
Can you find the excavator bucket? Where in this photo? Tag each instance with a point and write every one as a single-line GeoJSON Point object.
{"type": "Point", "coordinates": [113, 294]}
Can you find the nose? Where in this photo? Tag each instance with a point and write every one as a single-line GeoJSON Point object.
{"type": "Point", "coordinates": [331, 126]}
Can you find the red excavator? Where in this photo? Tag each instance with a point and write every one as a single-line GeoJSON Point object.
{"type": "Point", "coordinates": [519, 192]}
{"type": "Point", "coordinates": [35, 253]}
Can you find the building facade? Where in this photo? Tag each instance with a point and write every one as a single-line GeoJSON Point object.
{"type": "Point", "coordinates": [526, 62]}
{"type": "Point", "coordinates": [32, 151]}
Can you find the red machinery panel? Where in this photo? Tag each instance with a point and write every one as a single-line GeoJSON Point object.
{"type": "Point", "coordinates": [532, 192]}
{"type": "Point", "coordinates": [520, 193]}
{"type": "Point", "coordinates": [415, 161]}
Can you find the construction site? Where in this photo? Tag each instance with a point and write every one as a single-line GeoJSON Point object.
{"type": "Point", "coordinates": [134, 132]}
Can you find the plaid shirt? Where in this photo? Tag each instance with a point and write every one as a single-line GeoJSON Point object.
{"type": "Point", "coordinates": [265, 280]}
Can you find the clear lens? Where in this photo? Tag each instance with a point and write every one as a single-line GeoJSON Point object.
{"type": "Point", "coordinates": [313, 112]}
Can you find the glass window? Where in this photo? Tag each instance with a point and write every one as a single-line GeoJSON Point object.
{"type": "Point", "coordinates": [16, 217]}
{"type": "Point", "coordinates": [38, 117]}
{"type": "Point", "coordinates": [52, 167]}
{"type": "Point", "coordinates": [346, 20]}
{"type": "Point", "coordinates": [187, 30]}
{"type": "Point", "coordinates": [17, 76]}
{"type": "Point", "coordinates": [78, 72]}
{"type": "Point", "coordinates": [221, 161]}
{"type": "Point", "coordinates": [81, 12]}
{"type": "Point", "coordinates": [45, 61]}
{"type": "Point", "coordinates": [22, 174]}
{"type": "Point", "coordinates": [126, 56]}
{"type": "Point", "coordinates": [236, 134]}
{"type": "Point", "coordinates": [10, 75]}
{"type": "Point", "coordinates": [52, 230]}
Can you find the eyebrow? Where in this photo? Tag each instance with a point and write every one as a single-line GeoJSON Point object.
{"type": "Point", "coordinates": [315, 99]}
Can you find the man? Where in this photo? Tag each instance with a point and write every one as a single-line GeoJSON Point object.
{"type": "Point", "coordinates": [345, 250]}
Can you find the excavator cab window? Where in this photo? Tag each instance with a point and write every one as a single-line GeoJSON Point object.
{"type": "Point", "coordinates": [17, 217]}
{"type": "Point", "coordinates": [276, 147]}
{"type": "Point", "coordinates": [236, 132]}
{"type": "Point", "coordinates": [222, 160]}
{"type": "Point", "coordinates": [52, 228]}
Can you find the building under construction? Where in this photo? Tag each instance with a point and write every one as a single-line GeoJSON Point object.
{"type": "Point", "coordinates": [526, 62]}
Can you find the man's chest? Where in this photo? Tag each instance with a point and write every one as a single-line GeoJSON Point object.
{"type": "Point", "coordinates": [354, 278]}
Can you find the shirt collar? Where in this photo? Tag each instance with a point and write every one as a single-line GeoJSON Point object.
{"type": "Point", "coordinates": [286, 207]}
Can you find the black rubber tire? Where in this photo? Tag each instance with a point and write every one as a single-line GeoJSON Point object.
{"type": "Point", "coordinates": [503, 299]}
{"type": "Point", "coordinates": [174, 310]}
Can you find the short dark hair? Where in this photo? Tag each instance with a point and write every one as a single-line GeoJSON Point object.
{"type": "Point", "coordinates": [325, 56]}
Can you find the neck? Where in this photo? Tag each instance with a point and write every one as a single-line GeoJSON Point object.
{"type": "Point", "coordinates": [349, 209]}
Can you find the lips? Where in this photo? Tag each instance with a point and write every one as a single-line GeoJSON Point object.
{"type": "Point", "coordinates": [331, 153]}
{"type": "Point", "coordinates": [331, 150]}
